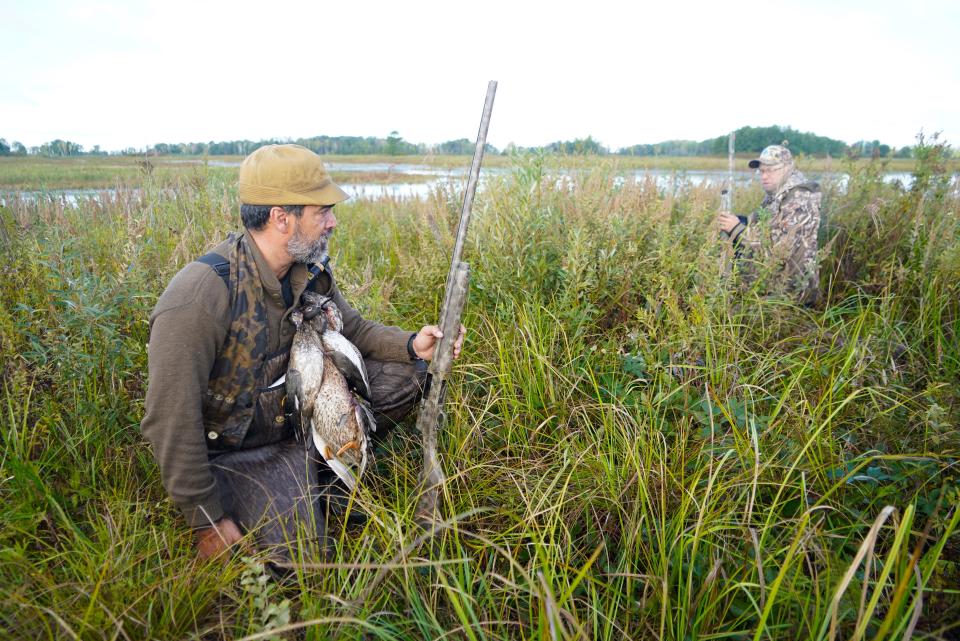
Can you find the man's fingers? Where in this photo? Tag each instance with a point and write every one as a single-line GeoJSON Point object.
{"type": "Point", "coordinates": [210, 544]}
{"type": "Point", "coordinates": [230, 531]}
{"type": "Point", "coordinates": [458, 344]}
{"type": "Point", "coordinates": [213, 541]}
{"type": "Point", "coordinates": [427, 339]}
{"type": "Point", "coordinates": [431, 330]}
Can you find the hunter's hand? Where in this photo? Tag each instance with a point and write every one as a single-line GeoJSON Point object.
{"type": "Point", "coordinates": [727, 221]}
{"type": "Point", "coordinates": [427, 338]}
{"type": "Point", "coordinates": [215, 540]}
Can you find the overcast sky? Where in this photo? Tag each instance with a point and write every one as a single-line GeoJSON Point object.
{"type": "Point", "coordinates": [130, 74]}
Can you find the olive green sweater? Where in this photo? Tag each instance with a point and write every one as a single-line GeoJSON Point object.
{"type": "Point", "coordinates": [187, 328]}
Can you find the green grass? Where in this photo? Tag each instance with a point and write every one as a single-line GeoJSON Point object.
{"type": "Point", "coordinates": [635, 448]}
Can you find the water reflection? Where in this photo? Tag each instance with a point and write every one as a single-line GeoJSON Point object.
{"type": "Point", "coordinates": [403, 169]}
{"type": "Point", "coordinates": [396, 191]}
{"type": "Point", "coordinates": [672, 179]}
{"type": "Point", "coordinates": [667, 181]}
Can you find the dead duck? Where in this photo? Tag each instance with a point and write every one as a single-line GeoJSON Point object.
{"type": "Point", "coordinates": [324, 369]}
{"type": "Point", "coordinates": [344, 354]}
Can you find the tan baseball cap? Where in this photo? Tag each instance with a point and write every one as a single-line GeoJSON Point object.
{"type": "Point", "coordinates": [287, 175]}
{"type": "Point", "coordinates": [772, 155]}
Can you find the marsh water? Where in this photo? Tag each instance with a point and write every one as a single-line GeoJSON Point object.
{"type": "Point", "coordinates": [425, 180]}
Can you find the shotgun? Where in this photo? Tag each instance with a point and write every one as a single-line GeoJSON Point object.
{"type": "Point", "coordinates": [431, 417]}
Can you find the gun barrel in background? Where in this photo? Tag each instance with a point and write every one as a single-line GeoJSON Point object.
{"type": "Point", "coordinates": [728, 194]}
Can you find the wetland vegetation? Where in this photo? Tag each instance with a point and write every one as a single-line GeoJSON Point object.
{"type": "Point", "coordinates": [635, 447]}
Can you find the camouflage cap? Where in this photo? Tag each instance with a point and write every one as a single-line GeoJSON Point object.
{"type": "Point", "coordinates": [773, 155]}
{"type": "Point", "coordinates": [287, 175]}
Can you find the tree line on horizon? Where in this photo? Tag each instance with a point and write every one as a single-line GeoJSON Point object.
{"type": "Point", "coordinates": [748, 140]}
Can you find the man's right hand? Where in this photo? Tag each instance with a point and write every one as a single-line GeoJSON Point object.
{"type": "Point", "coordinates": [727, 221]}
{"type": "Point", "coordinates": [217, 539]}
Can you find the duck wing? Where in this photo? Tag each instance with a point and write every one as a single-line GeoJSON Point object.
{"type": "Point", "coordinates": [365, 418]}
{"type": "Point", "coordinates": [294, 385]}
{"type": "Point", "coordinates": [304, 375]}
{"type": "Point", "coordinates": [346, 357]}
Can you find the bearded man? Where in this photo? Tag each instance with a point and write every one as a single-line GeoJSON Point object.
{"type": "Point", "coordinates": [220, 339]}
{"type": "Point", "coordinates": [778, 241]}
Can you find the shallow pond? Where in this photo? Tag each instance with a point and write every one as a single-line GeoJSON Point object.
{"type": "Point", "coordinates": [665, 180]}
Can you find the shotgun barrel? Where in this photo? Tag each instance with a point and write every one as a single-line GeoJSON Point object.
{"type": "Point", "coordinates": [431, 417]}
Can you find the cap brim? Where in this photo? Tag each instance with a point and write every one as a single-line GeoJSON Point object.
{"type": "Point", "coordinates": [330, 195]}
{"type": "Point", "coordinates": [754, 164]}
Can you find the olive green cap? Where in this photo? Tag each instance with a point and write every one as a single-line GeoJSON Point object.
{"type": "Point", "coordinates": [287, 175]}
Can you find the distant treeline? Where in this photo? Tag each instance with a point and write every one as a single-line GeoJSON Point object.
{"type": "Point", "coordinates": [754, 139]}
{"type": "Point", "coordinates": [749, 140]}
{"type": "Point", "coordinates": [392, 145]}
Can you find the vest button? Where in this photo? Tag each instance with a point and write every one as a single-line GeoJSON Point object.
{"type": "Point", "coordinates": [280, 419]}
{"type": "Point", "coordinates": [212, 435]}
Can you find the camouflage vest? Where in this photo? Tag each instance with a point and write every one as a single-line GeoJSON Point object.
{"type": "Point", "coordinates": [241, 407]}
{"type": "Point", "coordinates": [797, 277]}
{"type": "Point", "coordinates": [775, 202]}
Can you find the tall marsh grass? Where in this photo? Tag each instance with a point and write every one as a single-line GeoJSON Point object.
{"type": "Point", "coordinates": [635, 447]}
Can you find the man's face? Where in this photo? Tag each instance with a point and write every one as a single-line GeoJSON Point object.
{"type": "Point", "coordinates": [311, 234]}
{"type": "Point", "coordinates": [771, 176]}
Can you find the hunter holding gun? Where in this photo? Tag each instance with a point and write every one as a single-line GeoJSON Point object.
{"type": "Point", "coordinates": [779, 239]}
{"type": "Point", "coordinates": [220, 340]}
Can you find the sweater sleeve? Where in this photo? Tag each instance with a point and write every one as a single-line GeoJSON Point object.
{"type": "Point", "coordinates": [187, 327]}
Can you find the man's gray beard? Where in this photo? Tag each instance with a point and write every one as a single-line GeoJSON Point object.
{"type": "Point", "coordinates": [306, 251]}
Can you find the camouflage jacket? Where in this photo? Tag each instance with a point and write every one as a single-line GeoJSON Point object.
{"type": "Point", "coordinates": [212, 357]}
{"type": "Point", "coordinates": [778, 244]}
